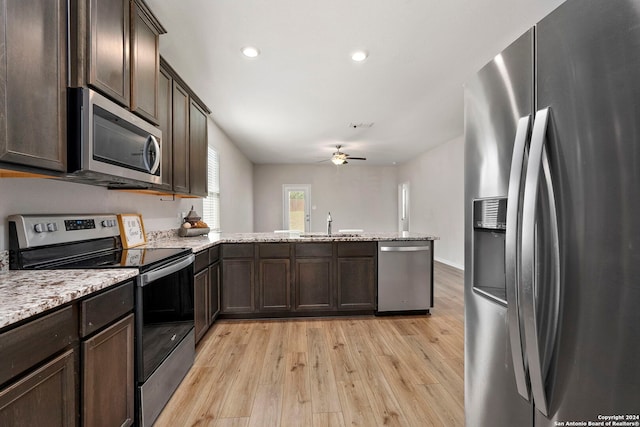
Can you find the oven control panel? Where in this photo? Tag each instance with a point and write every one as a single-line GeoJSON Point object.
{"type": "Point", "coordinates": [40, 230]}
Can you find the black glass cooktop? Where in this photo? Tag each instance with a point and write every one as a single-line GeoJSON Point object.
{"type": "Point", "coordinates": [143, 259]}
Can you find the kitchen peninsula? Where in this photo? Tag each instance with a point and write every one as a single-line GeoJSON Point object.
{"type": "Point", "coordinates": [259, 275]}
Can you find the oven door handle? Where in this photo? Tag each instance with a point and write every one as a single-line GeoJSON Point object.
{"type": "Point", "coordinates": [146, 278]}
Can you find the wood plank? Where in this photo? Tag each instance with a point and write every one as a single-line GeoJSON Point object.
{"type": "Point", "coordinates": [297, 409]}
{"type": "Point", "coordinates": [324, 391]}
{"type": "Point", "coordinates": [343, 367]}
{"type": "Point", "coordinates": [356, 408]}
{"type": "Point", "coordinates": [267, 406]}
{"type": "Point", "coordinates": [414, 407]}
{"type": "Point", "coordinates": [240, 395]}
{"type": "Point", "coordinates": [231, 422]}
{"type": "Point", "coordinates": [386, 408]}
{"type": "Point", "coordinates": [447, 409]}
{"type": "Point", "coordinates": [297, 336]}
{"type": "Point", "coordinates": [275, 357]}
{"type": "Point", "coordinates": [328, 419]}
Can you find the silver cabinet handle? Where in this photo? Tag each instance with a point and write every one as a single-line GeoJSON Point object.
{"type": "Point", "coordinates": [540, 326]}
{"type": "Point", "coordinates": [512, 255]}
{"type": "Point", "coordinates": [404, 248]}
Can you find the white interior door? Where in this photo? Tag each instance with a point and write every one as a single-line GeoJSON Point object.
{"type": "Point", "coordinates": [296, 207]}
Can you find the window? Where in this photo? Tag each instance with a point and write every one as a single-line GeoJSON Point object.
{"type": "Point", "coordinates": [211, 205]}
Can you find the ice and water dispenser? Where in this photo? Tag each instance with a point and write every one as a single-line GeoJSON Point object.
{"type": "Point", "coordinates": [489, 227]}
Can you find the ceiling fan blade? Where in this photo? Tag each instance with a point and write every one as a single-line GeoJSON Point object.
{"type": "Point", "coordinates": [357, 158]}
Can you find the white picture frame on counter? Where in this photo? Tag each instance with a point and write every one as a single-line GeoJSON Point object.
{"type": "Point", "coordinates": [131, 230]}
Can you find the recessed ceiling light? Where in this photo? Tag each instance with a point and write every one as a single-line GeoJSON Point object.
{"type": "Point", "coordinates": [359, 55]}
{"type": "Point", "coordinates": [250, 51]}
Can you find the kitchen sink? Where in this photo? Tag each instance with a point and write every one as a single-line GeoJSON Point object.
{"type": "Point", "coordinates": [312, 235]}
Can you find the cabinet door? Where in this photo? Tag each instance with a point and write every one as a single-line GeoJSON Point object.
{"type": "Point", "coordinates": [313, 284]}
{"type": "Point", "coordinates": [33, 83]}
{"type": "Point", "coordinates": [180, 139]}
{"type": "Point", "coordinates": [165, 89]}
{"type": "Point", "coordinates": [274, 282]}
{"type": "Point", "coordinates": [109, 67]}
{"type": "Point", "coordinates": [214, 292]}
{"type": "Point", "coordinates": [237, 286]}
{"type": "Point", "coordinates": [356, 283]}
{"type": "Point", "coordinates": [201, 303]}
{"type": "Point", "coordinates": [197, 150]}
{"type": "Point", "coordinates": [145, 63]}
{"type": "Point", "coordinates": [107, 376]}
{"type": "Point", "coordinates": [46, 394]}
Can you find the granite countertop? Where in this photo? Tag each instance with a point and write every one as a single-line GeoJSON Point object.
{"type": "Point", "coordinates": [200, 243]}
{"type": "Point", "coordinates": [25, 293]}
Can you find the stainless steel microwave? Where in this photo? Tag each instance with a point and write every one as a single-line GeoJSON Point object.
{"type": "Point", "coordinates": [109, 145]}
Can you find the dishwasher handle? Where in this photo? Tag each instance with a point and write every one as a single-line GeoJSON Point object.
{"type": "Point", "coordinates": [404, 248]}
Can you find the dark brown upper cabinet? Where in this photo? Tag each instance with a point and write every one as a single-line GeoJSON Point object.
{"type": "Point", "coordinates": [145, 61]}
{"type": "Point", "coordinates": [180, 138]}
{"type": "Point", "coordinates": [165, 114]}
{"type": "Point", "coordinates": [109, 55]}
{"type": "Point", "coordinates": [33, 83]}
{"type": "Point", "coordinates": [123, 53]}
{"type": "Point", "coordinates": [197, 150]}
{"type": "Point", "coordinates": [183, 120]}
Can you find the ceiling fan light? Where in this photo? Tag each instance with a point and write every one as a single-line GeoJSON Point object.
{"type": "Point", "coordinates": [338, 160]}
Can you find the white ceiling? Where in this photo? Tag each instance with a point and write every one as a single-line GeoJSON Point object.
{"type": "Point", "coordinates": [295, 102]}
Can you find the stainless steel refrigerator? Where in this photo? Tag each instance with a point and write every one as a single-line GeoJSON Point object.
{"type": "Point", "coordinates": [552, 223]}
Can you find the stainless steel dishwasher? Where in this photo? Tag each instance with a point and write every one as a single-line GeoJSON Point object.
{"type": "Point", "coordinates": [405, 276]}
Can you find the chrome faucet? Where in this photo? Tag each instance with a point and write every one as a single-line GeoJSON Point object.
{"type": "Point", "coordinates": [329, 220]}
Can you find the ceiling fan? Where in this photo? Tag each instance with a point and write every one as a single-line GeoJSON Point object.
{"type": "Point", "coordinates": [340, 158]}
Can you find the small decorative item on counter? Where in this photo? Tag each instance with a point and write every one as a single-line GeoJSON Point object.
{"type": "Point", "coordinates": [131, 230]}
{"type": "Point", "coordinates": [192, 225]}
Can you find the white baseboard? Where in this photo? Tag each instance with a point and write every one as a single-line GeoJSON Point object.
{"type": "Point", "coordinates": [449, 263]}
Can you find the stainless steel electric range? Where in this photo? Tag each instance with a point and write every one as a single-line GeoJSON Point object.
{"type": "Point", "coordinates": [164, 318]}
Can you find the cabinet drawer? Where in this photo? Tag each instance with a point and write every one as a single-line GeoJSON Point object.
{"type": "Point", "coordinates": [214, 254]}
{"type": "Point", "coordinates": [201, 262]}
{"type": "Point", "coordinates": [314, 249]}
{"type": "Point", "coordinates": [102, 309]}
{"type": "Point", "coordinates": [26, 346]}
{"type": "Point", "coordinates": [273, 250]}
{"type": "Point", "coordinates": [346, 249]}
{"type": "Point", "coordinates": [237, 250]}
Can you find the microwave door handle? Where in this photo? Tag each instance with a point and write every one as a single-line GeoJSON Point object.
{"type": "Point", "coordinates": [151, 140]}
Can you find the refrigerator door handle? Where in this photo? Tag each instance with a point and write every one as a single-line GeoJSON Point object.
{"type": "Point", "coordinates": [540, 298]}
{"type": "Point", "coordinates": [512, 256]}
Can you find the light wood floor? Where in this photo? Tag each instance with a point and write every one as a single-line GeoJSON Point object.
{"type": "Point", "coordinates": [365, 371]}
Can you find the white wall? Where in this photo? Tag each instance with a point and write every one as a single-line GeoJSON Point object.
{"type": "Point", "coordinates": [358, 196]}
{"type": "Point", "coordinates": [236, 183]}
{"type": "Point", "coordinates": [42, 196]}
{"type": "Point", "coordinates": [38, 196]}
{"type": "Point", "coordinates": [437, 198]}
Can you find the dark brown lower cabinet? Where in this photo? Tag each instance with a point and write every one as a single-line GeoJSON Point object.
{"type": "Point", "coordinates": [237, 286]}
{"type": "Point", "coordinates": [313, 284]}
{"type": "Point", "coordinates": [214, 291]}
{"type": "Point", "coordinates": [46, 396]}
{"type": "Point", "coordinates": [356, 283]}
{"type": "Point", "coordinates": [107, 376]}
{"type": "Point", "coordinates": [274, 283]}
{"type": "Point", "coordinates": [201, 301]}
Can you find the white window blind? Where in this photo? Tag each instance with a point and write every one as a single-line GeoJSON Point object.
{"type": "Point", "coordinates": [211, 205]}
